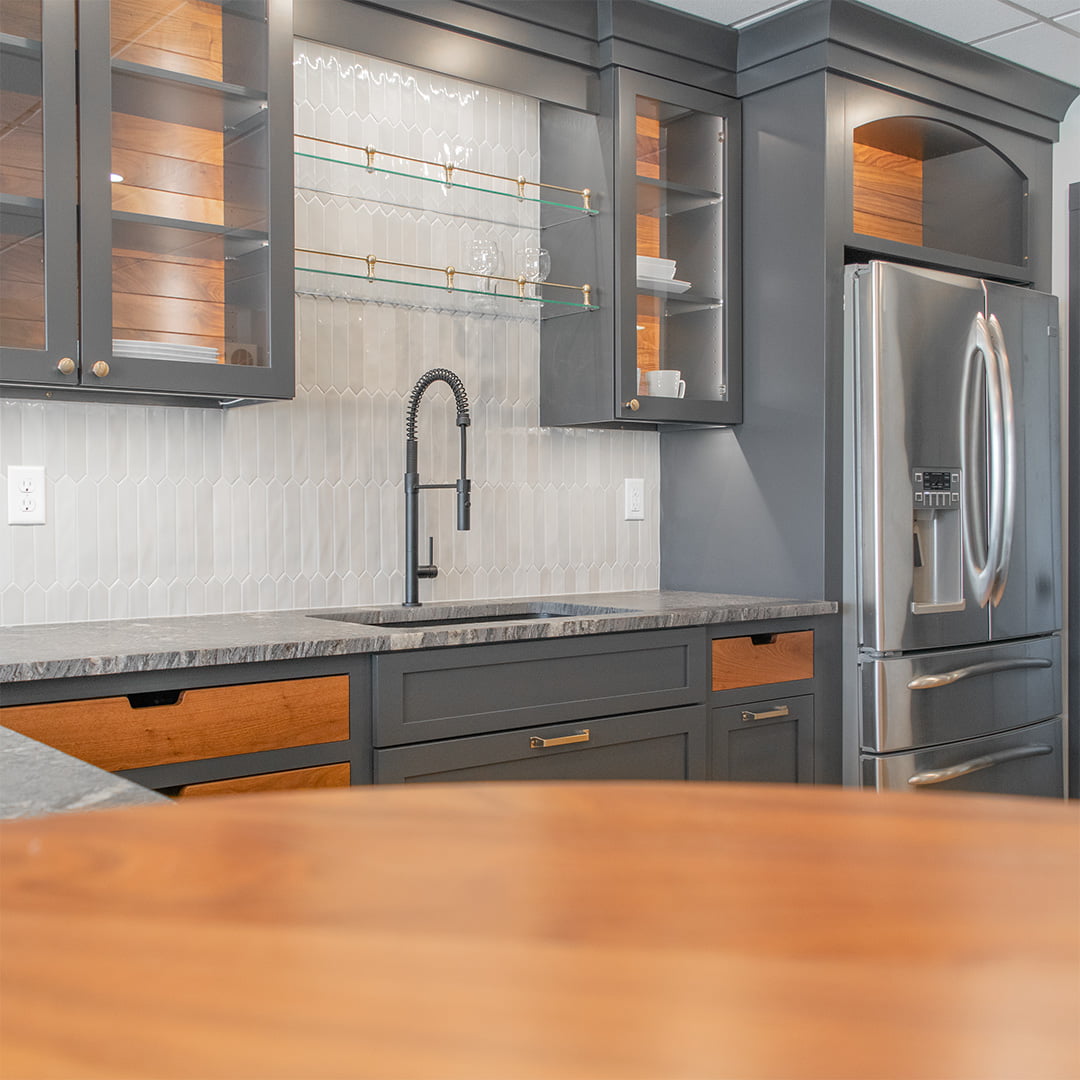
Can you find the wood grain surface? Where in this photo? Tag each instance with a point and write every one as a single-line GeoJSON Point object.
{"type": "Point", "coordinates": [317, 776]}
{"type": "Point", "coordinates": [756, 661]}
{"type": "Point", "coordinates": [513, 931]}
{"type": "Point", "coordinates": [887, 195]}
{"type": "Point", "coordinates": [209, 721]}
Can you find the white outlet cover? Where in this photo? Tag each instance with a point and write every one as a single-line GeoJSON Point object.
{"type": "Point", "coordinates": [26, 494]}
{"type": "Point", "coordinates": [634, 499]}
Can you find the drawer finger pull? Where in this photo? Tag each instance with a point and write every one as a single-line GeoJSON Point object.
{"type": "Point", "coordinates": [536, 743]}
{"type": "Point", "coordinates": [772, 714]}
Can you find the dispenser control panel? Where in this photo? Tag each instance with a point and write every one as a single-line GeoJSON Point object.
{"type": "Point", "coordinates": [936, 489]}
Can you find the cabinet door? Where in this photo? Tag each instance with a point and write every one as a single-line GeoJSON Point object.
{"type": "Point", "coordinates": [185, 160]}
{"type": "Point", "coordinates": [770, 741]}
{"type": "Point", "coordinates": [664, 745]}
{"type": "Point", "coordinates": [677, 243]}
{"type": "Point", "coordinates": [38, 264]}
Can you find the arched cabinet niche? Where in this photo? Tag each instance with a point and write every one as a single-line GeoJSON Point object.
{"type": "Point", "coordinates": [931, 184]}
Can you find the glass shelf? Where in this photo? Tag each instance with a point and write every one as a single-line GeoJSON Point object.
{"type": "Point", "coordinates": [558, 306]}
{"type": "Point", "coordinates": [20, 46]}
{"type": "Point", "coordinates": [682, 301]}
{"type": "Point", "coordinates": [448, 185]}
{"type": "Point", "coordinates": [162, 235]}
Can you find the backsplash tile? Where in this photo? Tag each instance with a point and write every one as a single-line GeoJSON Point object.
{"type": "Point", "coordinates": [155, 511]}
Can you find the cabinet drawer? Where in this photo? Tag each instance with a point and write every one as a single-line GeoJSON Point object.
{"type": "Point", "coordinates": [769, 741]}
{"type": "Point", "coordinates": [665, 745]}
{"type": "Point", "coordinates": [443, 693]}
{"type": "Point", "coordinates": [762, 658]}
{"type": "Point", "coordinates": [136, 731]}
{"type": "Point", "coordinates": [320, 776]}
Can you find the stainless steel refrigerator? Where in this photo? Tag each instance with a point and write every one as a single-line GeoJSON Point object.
{"type": "Point", "coordinates": [952, 612]}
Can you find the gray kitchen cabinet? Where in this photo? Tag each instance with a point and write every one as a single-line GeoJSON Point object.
{"type": "Point", "coordinates": [611, 706]}
{"type": "Point", "coordinates": [182, 116]}
{"type": "Point", "coordinates": [664, 745]}
{"type": "Point", "coordinates": [770, 740]}
{"type": "Point", "coordinates": [761, 720]}
{"type": "Point", "coordinates": [673, 226]}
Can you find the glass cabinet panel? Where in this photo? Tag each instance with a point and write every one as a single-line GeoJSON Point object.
{"type": "Point", "coordinates": [188, 176]}
{"type": "Point", "coordinates": [37, 250]}
{"type": "Point", "coordinates": [680, 266]}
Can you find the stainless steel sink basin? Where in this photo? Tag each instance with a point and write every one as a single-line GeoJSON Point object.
{"type": "Point", "coordinates": [419, 618]}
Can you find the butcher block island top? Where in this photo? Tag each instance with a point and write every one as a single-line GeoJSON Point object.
{"type": "Point", "coordinates": [572, 931]}
{"type": "Point", "coordinates": [67, 650]}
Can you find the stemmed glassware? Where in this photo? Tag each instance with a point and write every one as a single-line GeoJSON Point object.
{"type": "Point", "coordinates": [534, 265]}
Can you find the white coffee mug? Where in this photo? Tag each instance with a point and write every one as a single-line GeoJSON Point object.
{"type": "Point", "coordinates": [666, 383]}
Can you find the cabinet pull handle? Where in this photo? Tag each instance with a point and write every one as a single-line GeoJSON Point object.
{"type": "Point", "coordinates": [536, 743]}
{"type": "Point", "coordinates": [946, 678]}
{"type": "Point", "coordinates": [633, 404]}
{"type": "Point", "coordinates": [987, 761]}
{"type": "Point", "coordinates": [772, 714]}
{"type": "Point", "coordinates": [66, 366]}
{"type": "Point", "coordinates": [100, 369]}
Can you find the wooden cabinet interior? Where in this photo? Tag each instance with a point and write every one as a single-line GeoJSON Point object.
{"type": "Point", "coordinates": [168, 169]}
{"type": "Point", "coordinates": [139, 731]}
{"type": "Point", "coordinates": [929, 183]}
{"type": "Point", "coordinates": [318, 776]}
{"type": "Point", "coordinates": [760, 659]}
{"type": "Point", "coordinates": [649, 308]}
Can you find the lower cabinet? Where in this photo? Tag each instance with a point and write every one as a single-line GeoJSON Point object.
{"type": "Point", "coordinates": [770, 741]}
{"type": "Point", "coordinates": [668, 744]}
{"type": "Point", "coordinates": [191, 740]}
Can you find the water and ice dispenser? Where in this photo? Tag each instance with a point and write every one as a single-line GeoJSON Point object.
{"type": "Point", "coordinates": [937, 554]}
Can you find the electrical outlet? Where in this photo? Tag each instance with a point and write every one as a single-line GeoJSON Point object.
{"type": "Point", "coordinates": [634, 498]}
{"type": "Point", "coordinates": [26, 494]}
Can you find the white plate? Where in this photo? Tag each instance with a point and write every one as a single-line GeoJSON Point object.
{"type": "Point", "coordinates": [660, 285]}
{"type": "Point", "coordinates": [647, 266]}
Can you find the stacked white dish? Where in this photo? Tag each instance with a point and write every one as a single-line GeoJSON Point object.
{"type": "Point", "coordinates": [658, 275]}
{"type": "Point", "coordinates": [163, 350]}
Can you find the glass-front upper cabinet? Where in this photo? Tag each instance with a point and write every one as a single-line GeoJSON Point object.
{"type": "Point", "coordinates": [184, 192]}
{"type": "Point", "coordinates": [676, 272]}
{"type": "Point", "coordinates": [186, 250]}
{"type": "Point", "coordinates": [38, 272]}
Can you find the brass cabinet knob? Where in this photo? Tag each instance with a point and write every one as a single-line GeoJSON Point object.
{"type": "Point", "coordinates": [100, 369]}
{"type": "Point", "coordinates": [66, 365]}
{"type": "Point", "coordinates": [633, 404]}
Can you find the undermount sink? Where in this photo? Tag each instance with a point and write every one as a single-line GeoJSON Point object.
{"type": "Point", "coordinates": [398, 619]}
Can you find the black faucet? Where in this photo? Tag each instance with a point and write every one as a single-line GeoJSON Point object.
{"type": "Point", "coordinates": [413, 487]}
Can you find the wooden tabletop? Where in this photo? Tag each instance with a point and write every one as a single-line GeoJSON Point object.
{"type": "Point", "coordinates": [513, 931]}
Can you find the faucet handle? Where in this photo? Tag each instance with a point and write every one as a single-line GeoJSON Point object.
{"type": "Point", "coordinates": [431, 570]}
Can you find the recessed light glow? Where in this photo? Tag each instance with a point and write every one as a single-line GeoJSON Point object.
{"type": "Point", "coordinates": [115, 178]}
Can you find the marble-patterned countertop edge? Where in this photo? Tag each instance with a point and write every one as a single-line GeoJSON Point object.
{"type": "Point", "coordinates": [36, 779]}
{"type": "Point", "coordinates": [69, 650]}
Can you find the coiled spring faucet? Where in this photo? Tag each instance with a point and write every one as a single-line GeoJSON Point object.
{"type": "Point", "coordinates": [413, 570]}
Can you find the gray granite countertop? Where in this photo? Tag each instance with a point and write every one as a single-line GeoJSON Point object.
{"type": "Point", "coordinates": [36, 779]}
{"type": "Point", "coordinates": [66, 650]}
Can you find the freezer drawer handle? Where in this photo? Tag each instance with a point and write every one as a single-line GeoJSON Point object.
{"type": "Point", "coordinates": [772, 714]}
{"type": "Point", "coordinates": [536, 743]}
{"type": "Point", "coordinates": [947, 678]}
{"type": "Point", "coordinates": [987, 761]}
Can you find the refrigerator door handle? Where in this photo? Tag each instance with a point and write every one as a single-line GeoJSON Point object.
{"type": "Point", "coordinates": [1008, 430]}
{"type": "Point", "coordinates": [947, 678]}
{"type": "Point", "coordinates": [987, 761]}
{"type": "Point", "coordinates": [980, 354]}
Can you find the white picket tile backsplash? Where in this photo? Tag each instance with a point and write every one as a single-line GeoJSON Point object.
{"type": "Point", "coordinates": [156, 511]}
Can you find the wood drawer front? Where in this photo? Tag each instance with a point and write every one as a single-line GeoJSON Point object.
{"type": "Point", "coordinates": [208, 722]}
{"type": "Point", "coordinates": [443, 693]}
{"type": "Point", "coordinates": [319, 776]}
{"type": "Point", "coordinates": [761, 659]}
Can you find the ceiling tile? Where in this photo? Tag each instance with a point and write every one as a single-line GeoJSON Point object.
{"type": "Point", "coordinates": [729, 12]}
{"type": "Point", "coordinates": [1049, 8]}
{"type": "Point", "coordinates": [1042, 47]}
{"type": "Point", "coordinates": [965, 20]}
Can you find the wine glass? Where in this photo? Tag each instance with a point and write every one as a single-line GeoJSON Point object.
{"type": "Point", "coordinates": [535, 264]}
{"type": "Point", "coordinates": [483, 256]}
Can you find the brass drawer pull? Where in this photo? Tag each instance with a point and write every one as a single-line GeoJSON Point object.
{"type": "Point", "coordinates": [536, 743]}
{"type": "Point", "coordinates": [772, 714]}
